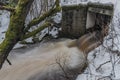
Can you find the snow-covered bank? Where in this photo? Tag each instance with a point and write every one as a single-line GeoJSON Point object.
{"type": "Point", "coordinates": [103, 64]}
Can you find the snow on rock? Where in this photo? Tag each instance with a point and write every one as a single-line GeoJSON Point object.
{"type": "Point", "coordinates": [57, 18]}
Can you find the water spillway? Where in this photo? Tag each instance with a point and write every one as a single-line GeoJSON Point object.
{"type": "Point", "coordinates": [42, 62]}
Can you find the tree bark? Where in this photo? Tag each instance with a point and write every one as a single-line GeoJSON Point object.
{"type": "Point", "coordinates": [15, 29]}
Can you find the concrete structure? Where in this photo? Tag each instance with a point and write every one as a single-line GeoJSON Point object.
{"type": "Point", "coordinates": [76, 19]}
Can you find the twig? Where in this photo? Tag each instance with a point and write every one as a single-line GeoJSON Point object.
{"type": "Point", "coordinates": [8, 61]}
{"type": "Point", "coordinates": [102, 65]}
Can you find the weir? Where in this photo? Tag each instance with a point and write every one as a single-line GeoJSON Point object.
{"type": "Point", "coordinates": [76, 19]}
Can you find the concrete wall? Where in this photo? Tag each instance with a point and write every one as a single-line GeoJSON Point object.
{"type": "Point", "coordinates": [90, 20]}
{"type": "Point", "coordinates": [77, 18]}
{"type": "Point", "coordinates": [73, 21]}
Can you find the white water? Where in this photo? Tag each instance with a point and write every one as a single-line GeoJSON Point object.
{"type": "Point", "coordinates": [33, 64]}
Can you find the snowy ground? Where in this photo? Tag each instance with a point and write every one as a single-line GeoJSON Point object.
{"type": "Point", "coordinates": [103, 65]}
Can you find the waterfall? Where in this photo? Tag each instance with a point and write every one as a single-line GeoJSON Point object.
{"type": "Point", "coordinates": [41, 62]}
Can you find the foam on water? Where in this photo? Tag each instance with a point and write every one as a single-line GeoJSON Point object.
{"type": "Point", "coordinates": [32, 65]}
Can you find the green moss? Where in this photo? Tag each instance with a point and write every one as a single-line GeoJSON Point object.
{"type": "Point", "coordinates": [33, 33]}
{"type": "Point", "coordinates": [9, 8]}
{"type": "Point", "coordinates": [96, 5]}
{"type": "Point", "coordinates": [57, 3]}
{"type": "Point", "coordinates": [16, 26]}
{"type": "Point", "coordinates": [44, 16]}
{"type": "Point", "coordinates": [72, 7]}
{"type": "Point", "coordinates": [15, 29]}
{"type": "Point", "coordinates": [58, 9]}
{"type": "Point", "coordinates": [25, 42]}
{"type": "Point", "coordinates": [100, 5]}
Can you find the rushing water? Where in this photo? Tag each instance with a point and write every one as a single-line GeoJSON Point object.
{"type": "Point", "coordinates": [30, 64]}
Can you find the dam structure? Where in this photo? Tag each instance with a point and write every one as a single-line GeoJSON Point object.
{"type": "Point", "coordinates": [77, 19]}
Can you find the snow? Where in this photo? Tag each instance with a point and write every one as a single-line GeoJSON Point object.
{"type": "Point", "coordinates": [111, 69]}
{"type": "Point", "coordinates": [103, 65]}
{"type": "Point", "coordinates": [104, 1]}
{"type": "Point", "coordinates": [57, 17]}
{"type": "Point", "coordinates": [4, 21]}
{"type": "Point", "coordinates": [73, 2]}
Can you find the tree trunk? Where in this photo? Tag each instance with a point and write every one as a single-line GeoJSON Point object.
{"type": "Point", "coordinates": [15, 29]}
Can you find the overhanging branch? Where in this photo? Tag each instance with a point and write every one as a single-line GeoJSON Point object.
{"type": "Point", "coordinates": [30, 34]}
{"type": "Point", "coordinates": [44, 16]}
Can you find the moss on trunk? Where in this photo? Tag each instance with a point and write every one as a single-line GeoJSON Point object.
{"type": "Point", "coordinates": [15, 29]}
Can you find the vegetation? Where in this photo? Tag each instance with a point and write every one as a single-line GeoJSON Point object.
{"type": "Point", "coordinates": [17, 31]}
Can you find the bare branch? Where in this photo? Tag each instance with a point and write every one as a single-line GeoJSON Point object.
{"type": "Point", "coordinates": [102, 65]}
{"type": "Point", "coordinates": [36, 21]}
{"type": "Point", "coordinates": [30, 34]}
{"type": "Point", "coordinates": [9, 62]}
{"type": "Point", "coordinates": [7, 8]}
